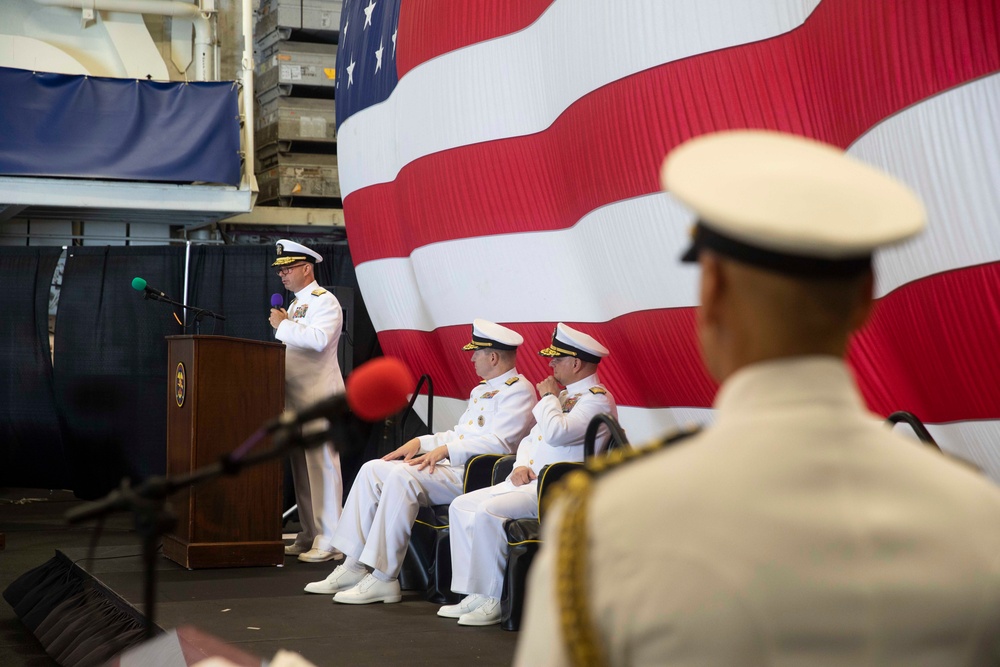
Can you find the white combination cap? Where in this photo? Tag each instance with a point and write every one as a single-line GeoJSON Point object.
{"type": "Point", "coordinates": [788, 204]}
{"type": "Point", "coordinates": [568, 342]}
{"type": "Point", "coordinates": [289, 252]}
{"type": "Point", "coordinates": [492, 336]}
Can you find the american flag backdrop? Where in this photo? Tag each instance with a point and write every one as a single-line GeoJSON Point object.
{"type": "Point", "coordinates": [500, 160]}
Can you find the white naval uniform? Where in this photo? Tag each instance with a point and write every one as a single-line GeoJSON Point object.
{"type": "Point", "coordinates": [312, 373]}
{"type": "Point", "coordinates": [796, 531]}
{"type": "Point", "coordinates": [478, 541]}
{"type": "Point", "coordinates": [386, 496]}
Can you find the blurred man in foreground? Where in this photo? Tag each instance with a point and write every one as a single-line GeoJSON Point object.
{"type": "Point", "coordinates": [798, 529]}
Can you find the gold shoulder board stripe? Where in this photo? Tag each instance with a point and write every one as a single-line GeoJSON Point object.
{"type": "Point", "coordinates": [512, 380]}
{"type": "Point", "coordinates": [482, 382]}
{"type": "Point", "coordinates": [598, 390]}
{"type": "Point", "coordinates": [318, 292]}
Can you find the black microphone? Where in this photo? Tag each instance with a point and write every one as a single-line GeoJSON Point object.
{"type": "Point", "coordinates": [139, 285]}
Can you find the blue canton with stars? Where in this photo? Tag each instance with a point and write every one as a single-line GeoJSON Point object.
{"type": "Point", "coordinates": [366, 55]}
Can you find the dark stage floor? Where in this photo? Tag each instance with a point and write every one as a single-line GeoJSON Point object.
{"type": "Point", "coordinates": [259, 610]}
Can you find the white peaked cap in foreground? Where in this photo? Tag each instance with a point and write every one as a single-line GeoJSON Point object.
{"type": "Point", "coordinates": [787, 203]}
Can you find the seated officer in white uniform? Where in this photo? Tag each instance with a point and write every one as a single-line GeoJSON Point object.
{"type": "Point", "coordinates": [798, 529]}
{"type": "Point", "coordinates": [310, 330]}
{"type": "Point", "coordinates": [375, 529]}
{"type": "Point", "coordinates": [478, 541]}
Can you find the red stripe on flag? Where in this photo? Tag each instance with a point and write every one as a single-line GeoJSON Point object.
{"type": "Point", "coordinates": [933, 333]}
{"type": "Point", "coordinates": [828, 80]}
{"type": "Point", "coordinates": [931, 348]}
{"type": "Point", "coordinates": [429, 28]}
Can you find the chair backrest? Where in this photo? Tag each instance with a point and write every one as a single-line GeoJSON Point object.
{"type": "Point", "coordinates": [618, 438]}
{"type": "Point", "coordinates": [918, 426]}
{"type": "Point", "coordinates": [503, 467]}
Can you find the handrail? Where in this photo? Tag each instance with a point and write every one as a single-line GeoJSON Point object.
{"type": "Point", "coordinates": [618, 437]}
{"type": "Point", "coordinates": [413, 399]}
{"type": "Point", "coordinates": [913, 422]}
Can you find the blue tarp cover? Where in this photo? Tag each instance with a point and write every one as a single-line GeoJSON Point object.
{"type": "Point", "coordinates": [91, 127]}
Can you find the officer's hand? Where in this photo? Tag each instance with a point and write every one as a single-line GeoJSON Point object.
{"type": "Point", "coordinates": [406, 452]}
{"type": "Point", "coordinates": [523, 475]}
{"type": "Point", "coordinates": [278, 315]}
{"type": "Point", "coordinates": [430, 458]}
{"type": "Point", "coordinates": [547, 386]}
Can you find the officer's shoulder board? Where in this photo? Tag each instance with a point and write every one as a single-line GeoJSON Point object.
{"type": "Point", "coordinates": [598, 390]}
{"type": "Point", "coordinates": [579, 635]}
{"type": "Point", "coordinates": [319, 291]}
{"type": "Point", "coordinates": [511, 381]}
{"type": "Point", "coordinates": [482, 382]}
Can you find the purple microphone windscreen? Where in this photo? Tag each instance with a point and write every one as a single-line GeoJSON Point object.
{"type": "Point", "coordinates": [277, 300]}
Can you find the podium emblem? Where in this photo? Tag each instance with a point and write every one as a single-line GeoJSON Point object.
{"type": "Point", "coordinates": [180, 385]}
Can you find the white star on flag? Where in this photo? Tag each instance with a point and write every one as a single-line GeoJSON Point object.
{"type": "Point", "coordinates": [350, 73]}
{"type": "Point", "coordinates": [394, 42]}
{"type": "Point", "coordinates": [368, 13]}
{"type": "Point", "coordinates": [378, 57]}
{"type": "Point", "coordinates": [347, 24]}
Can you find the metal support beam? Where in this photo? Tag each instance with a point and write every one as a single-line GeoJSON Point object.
{"type": "Point", "coordinates": [286, 216]}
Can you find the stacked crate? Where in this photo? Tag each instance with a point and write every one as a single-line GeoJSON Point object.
{"type": "Point", "coordinates": [296, 142]}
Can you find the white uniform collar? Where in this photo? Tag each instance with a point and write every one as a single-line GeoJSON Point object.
{"type": "Point", "coordinates": [786, 382]}
{"type": "Point", "coordinates": [583, 385]}
{"type": "Point", "coordinates": [307, 289]}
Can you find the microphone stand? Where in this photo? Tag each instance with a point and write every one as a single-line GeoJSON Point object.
{"type": "Point", "coordinates": [154, 518]}
{"type": "Point", "coordinates": [199, 312]}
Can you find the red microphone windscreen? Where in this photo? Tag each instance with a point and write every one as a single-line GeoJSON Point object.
{"type": "Point", "coordinates": [379, 388]}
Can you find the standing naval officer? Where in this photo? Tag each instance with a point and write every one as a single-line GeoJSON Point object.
{"type": "Point", "coordinates": [375, 529]}
{"type": "Point", "coordinates": [478, 541]}
{"type": "Point", "coordinates": [310, 329]}
{"type": "Point", "coordinates": [798, 530]}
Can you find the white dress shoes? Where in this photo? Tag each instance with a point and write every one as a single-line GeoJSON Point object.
{"type": "Point", "coordinates": [295, 549]}
{"type": "Point", "coordinates": [370, 590]}
{"type": "Point", "coordinates": [488, 613]}
{"type": "Point", "coordinates": [339, 580]}
{"type": "Point", "coordinates": [468, 603]}
{"type": "Point", "coordinates": [318, 556]}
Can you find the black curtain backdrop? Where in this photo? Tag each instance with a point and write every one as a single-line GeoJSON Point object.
{"type": "Point", "coordinates": [31, 445]}
{"type": "Point", "coordinates": [337, 269]}
{"type": "Point", "coordinates": [107, 393]}
{"type": "Point", "coordinates": [236, 281]}
{"type": "Point", "coordinates": [110, 362]}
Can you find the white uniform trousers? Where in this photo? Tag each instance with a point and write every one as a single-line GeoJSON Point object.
{"type": "Point", "coordinates": [383, 502]}
{"type": "Point", "coordinates": [319, 494]}
{"type": "Point", "coordinates": [478, 540]}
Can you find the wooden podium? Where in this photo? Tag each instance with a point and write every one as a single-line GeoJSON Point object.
{"type": "Point", "coordinates": [221, 390]}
